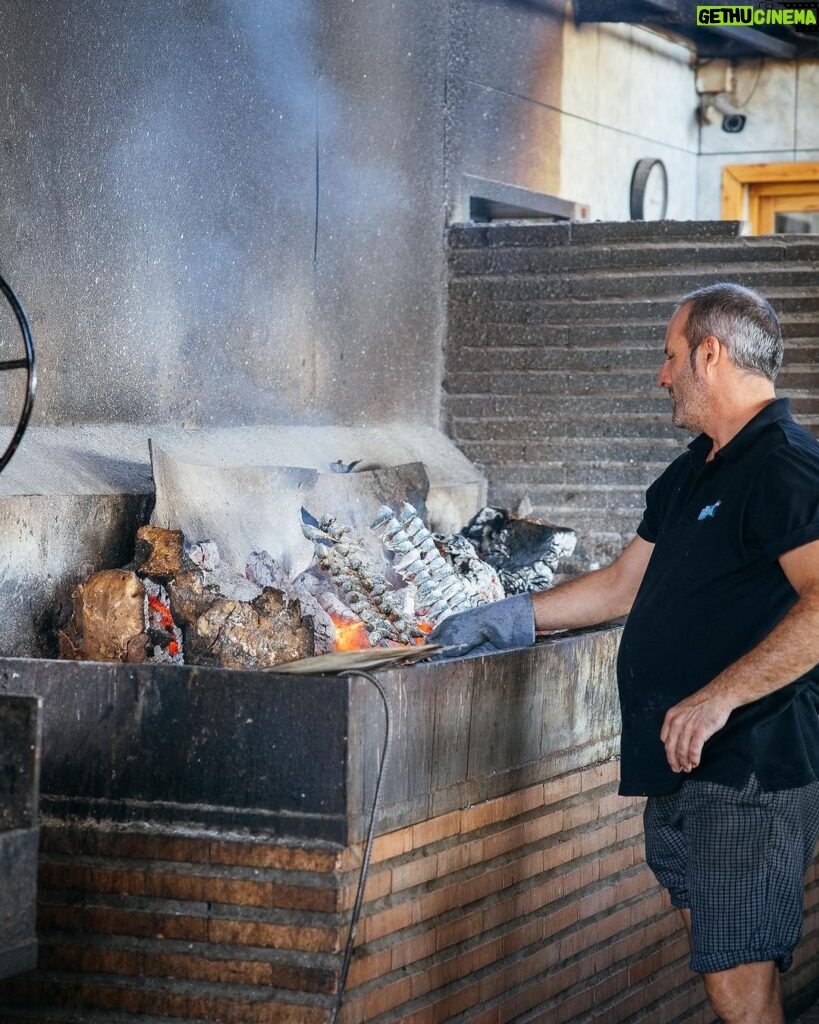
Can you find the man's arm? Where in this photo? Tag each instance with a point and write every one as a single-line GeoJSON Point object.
{"type": "Point", "coordinates": [786, 653]}
{"type": "Point", "coordinates": [502, 625]}
{"type": "Point", "coordinates": [597, 596]}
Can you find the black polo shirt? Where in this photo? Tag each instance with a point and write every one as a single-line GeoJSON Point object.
{"type": "Point", "coordinates": [712, 590]}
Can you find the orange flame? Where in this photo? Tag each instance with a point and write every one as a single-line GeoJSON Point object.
{"type": "Point", "coordinates": [350, 636]}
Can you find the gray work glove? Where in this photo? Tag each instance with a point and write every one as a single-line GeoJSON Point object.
{"type": "Point", "coordinates": [498, 626]}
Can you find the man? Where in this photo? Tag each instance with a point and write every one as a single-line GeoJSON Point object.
{"type": "Point", "coordinates": [717, 669]}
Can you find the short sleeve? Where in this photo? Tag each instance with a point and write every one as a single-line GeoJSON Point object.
{"type": "Point", "coordinates": [650, 523]}
{"type": "Point", "coordinates": [782, 512]}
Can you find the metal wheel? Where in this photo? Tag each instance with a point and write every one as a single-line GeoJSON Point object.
{"type": "Point", "coordinates": [26, 363]}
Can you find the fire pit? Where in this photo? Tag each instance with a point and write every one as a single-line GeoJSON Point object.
{"type": "Point", "coordinates": [202, 828]}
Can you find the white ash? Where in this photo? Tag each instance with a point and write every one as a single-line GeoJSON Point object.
{"type": "Point", "coordinates": [203, 553]}
{"type": "Point", "coordinates": [478, 578]}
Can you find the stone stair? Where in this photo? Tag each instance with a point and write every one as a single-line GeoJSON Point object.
{"type": "Point", "coordinates": [555, 335]}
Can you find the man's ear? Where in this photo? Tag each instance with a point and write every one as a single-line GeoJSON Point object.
{"type": "Point", "coordinates": [713, 352]}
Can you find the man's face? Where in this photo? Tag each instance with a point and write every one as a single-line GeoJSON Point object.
{"type": "Point", "coordinates": [686, 388]}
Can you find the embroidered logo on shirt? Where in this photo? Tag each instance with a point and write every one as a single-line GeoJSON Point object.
{"type": "Point", "coordinates": [709, 512]}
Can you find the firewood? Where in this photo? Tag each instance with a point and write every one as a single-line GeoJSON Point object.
{"type": "Point", "coordinates": [158, 552]}
{"type": "Point", "coordinates": [109, 617]}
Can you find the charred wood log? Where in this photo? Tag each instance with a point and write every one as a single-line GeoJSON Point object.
{"type": "Point", "coordinates": [525, 552]}
{"type": "Point", "coordinates": [109, 619]}
{"type": "Point", "coordinates": [158, 552]}
{"type": "Point", "coordinates": [228, 622]}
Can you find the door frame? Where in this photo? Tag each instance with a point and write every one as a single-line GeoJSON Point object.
{"type": "Point", "coordinates": [739, 201]}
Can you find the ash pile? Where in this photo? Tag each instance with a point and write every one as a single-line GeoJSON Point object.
{"type": "Point", "coordinates": [179, 603]}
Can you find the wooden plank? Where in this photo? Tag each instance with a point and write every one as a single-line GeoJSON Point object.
{"type": "Point", "coordinates": [733, 195]}
{"type": "Point", "coordinates": [807, 170]}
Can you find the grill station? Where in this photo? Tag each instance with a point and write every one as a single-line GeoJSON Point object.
{"type": "Point", "coordinates": [156, 747]}
{"type": "Point", "coordinates": [204, 815]}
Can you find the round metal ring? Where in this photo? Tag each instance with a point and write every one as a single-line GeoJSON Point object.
{"type": "Point", "coordinates": [27, 363]}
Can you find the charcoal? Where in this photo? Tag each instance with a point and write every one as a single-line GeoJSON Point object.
{"type": "Point", "coordinates": [265, 571]}
{"type": "Point", "coordinates": [525, 552]}
{"type": "Point", "coordinates": [164, 635]}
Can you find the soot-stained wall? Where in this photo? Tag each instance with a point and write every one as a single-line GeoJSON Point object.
{"type": "Point", "coordinates": [227, 210]}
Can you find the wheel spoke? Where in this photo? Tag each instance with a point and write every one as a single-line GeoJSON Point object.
{"type": "Point", "coordinates": [13, 364]}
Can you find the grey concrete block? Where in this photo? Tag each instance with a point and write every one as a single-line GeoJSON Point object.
{"type": "Point", "coordinates": [505, 428]}
{"type": "Point", "coordinates": [739, 251]}
{"type": "Point", "coordinates": [626, 232]}
{"type": "Point", "coordinates": [510, 288]}
{"type": "Point", "coordinates": [530, 260]}
{"type": "Point", "coordinates": [571, 407]}
{"type": "Point", "coordinates": [605, 383]}
{"type": "Point", "coordinates": [474, 332]}
{"type": "Point", "coordinates": [673, 283]}
{"type": "Point", "coordinates": [477, 236]}
{"type": "Point", "coordinates": [567, 313]}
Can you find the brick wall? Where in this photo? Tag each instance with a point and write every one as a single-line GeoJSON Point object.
{"type": "Point", "coordinates": [531, 907]}
{"type": "Point", "coordinates": [553, 346]}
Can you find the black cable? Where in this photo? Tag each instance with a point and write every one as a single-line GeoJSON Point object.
{"type": "Point", "coordinates": [368, 845]}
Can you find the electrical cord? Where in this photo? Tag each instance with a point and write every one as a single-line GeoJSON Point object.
{"type": "Point", "coordinates": [747, 99]}
{"type": "Point", "coordinates": [368, 845]}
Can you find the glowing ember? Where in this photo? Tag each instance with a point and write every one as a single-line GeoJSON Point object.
{"type": "Point", "coordinates": [163, 612]}
{"type": "Point", "coordinates": [350, 636]}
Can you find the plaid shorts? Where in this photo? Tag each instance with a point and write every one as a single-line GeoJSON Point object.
{"type": "Point", "coordinates": [737, 859]}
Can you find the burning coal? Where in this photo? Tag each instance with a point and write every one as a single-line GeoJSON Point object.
{"type": "Point", "coordinates": [178, 602]}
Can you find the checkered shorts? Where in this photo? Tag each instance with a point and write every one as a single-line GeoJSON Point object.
{"type": "Point", "coordinates": [737, 858]}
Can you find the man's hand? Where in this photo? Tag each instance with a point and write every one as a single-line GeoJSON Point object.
{"type": "Point", "coordinates": [497, 626]}
{"type": "Point", "coordinates": [689, 724]}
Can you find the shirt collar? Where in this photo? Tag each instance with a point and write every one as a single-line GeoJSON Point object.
{"type": "Point", "coordinates": [779, 409]}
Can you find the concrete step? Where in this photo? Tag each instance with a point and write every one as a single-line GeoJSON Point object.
{"type": "Point", "coordinates": [600, 312]}
{"type": "Point", "coordinates": [776, 279]}
{"type": "Point", "coordinates": [798, 381]}
{"type": "Point", "coordinates": [475, 236]}
{"type": "Point", "coordinates": [464, 263]}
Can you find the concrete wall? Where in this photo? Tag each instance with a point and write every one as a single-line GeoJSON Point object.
{"type": "Point", "coordinates": [538, 102]}
{"type": "Point", "coordinates": [542, 103]}
{"type": "Point", "coordinates": [627, 94]}
{"type": "Point", "coordinates": [226, 210]}
{"type": "Point", "coordinates": [780, 100]}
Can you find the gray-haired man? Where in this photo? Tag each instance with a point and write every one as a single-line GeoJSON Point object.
{"type": "Point", "coordinates": [717, 669]}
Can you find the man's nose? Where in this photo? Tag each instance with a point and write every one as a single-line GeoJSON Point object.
{"type": "Point", "coordinates": [663, 377]}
